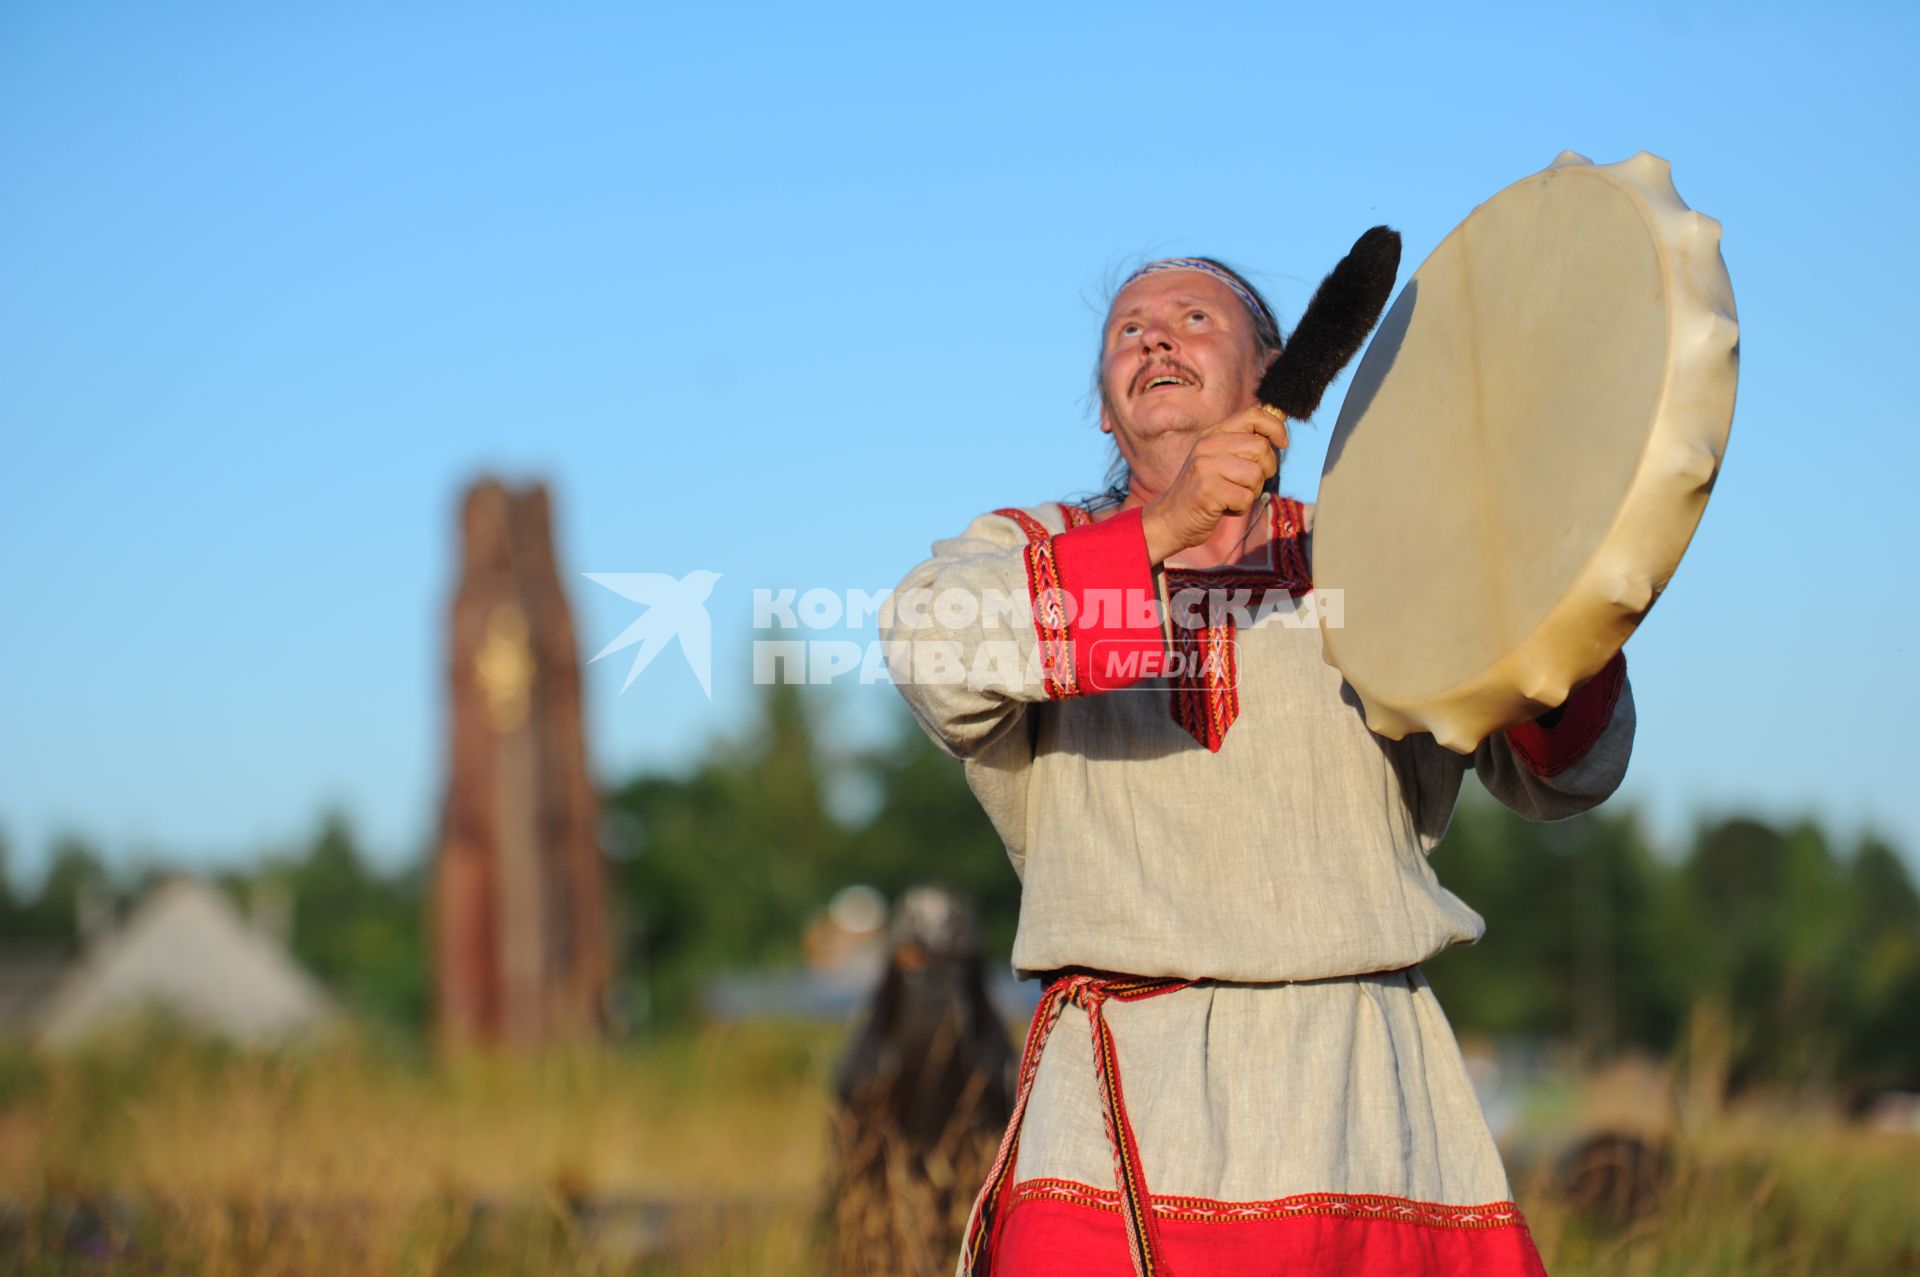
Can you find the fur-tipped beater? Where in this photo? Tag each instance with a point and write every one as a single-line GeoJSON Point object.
{"type": "Point", "coordinates": [1343, 311]}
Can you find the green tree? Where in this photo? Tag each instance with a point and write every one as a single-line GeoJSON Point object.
{"type": "Point", "coordinates": [1574, 935]}
{"type": "Point", "coordinates": [930, 828]}
{"type": "Point", "coordinates": [721, 868]}
{"type": "Point", "coordinates": [358, 931]}
{"type": "Point", "coordinates": [10, 907]}
{"type": "Point", "coordinates": [1516, 876]}
{"type": "Point", "coordinates": [1880, 951]}
{"type": "Point", "coordinates": [76, 878]}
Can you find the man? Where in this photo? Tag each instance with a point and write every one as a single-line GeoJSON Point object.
{"type": "Point", "coordinates": [1224, 873]}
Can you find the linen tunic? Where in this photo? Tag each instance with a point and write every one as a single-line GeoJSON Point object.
{"type": "Point", "coordinates": [1277, 854]}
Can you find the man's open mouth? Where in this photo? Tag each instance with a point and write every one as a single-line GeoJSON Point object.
{"type": "Point", "coordinates": [1164, 379]}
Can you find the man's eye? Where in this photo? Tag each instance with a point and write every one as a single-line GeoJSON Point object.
{"type": "Point", "coordinates": [1128, 330]}
{"type": "Point", "coordinates": [1198, 314]}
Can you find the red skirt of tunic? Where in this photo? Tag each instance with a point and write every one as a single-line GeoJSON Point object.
{"type": "Point", "coordinates": [1320, 1127]}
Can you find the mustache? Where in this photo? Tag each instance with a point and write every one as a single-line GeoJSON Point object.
{"type": "Point", "coordinates": [1156, 368]}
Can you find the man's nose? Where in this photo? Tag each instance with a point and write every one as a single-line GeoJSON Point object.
{"type": "Point", "coordinates": [1156, 336]}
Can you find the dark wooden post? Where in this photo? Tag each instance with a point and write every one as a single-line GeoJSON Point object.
{"type": "Point", "coordinates": [520, 930]}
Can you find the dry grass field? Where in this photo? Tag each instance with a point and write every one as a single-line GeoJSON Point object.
{"type": "Point", "coordinates": [701, 1154]}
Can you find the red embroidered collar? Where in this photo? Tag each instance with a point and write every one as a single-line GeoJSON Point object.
{"type": "Point", "coordinates": [1288, 567]}
{"type": "Point", "coordinates": [1206, 687]}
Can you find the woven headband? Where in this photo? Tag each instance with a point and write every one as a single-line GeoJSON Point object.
{"type": "Point", "coordinates": [1253, 304]}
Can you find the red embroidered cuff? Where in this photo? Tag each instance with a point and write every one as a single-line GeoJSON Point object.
{"type": "Point", "coordinates": [1114, 628]}
{"type": "Point", "coordinates": [1548, 751]}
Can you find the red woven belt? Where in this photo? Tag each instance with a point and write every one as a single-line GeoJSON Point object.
{"type": "Point", "coordinates": [1090, 992]}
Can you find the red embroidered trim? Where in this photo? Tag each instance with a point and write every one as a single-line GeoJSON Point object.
{"type": "Point", "coordinates": [1049, 602]}
{"type": "Point", "coordinates": [1548, 751]}
{"type": "Point", "coordinates": [1290, 532]}
{"type": "Point", "coordinates": [1206, 689]}
{"type": "Point", "coordinates": [1206, 1210]}
{"type": "Point", "coordinates": [1034, 529]}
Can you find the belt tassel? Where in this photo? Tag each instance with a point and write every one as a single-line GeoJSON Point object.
{"type": "Point", "coordinates": [989, 1219]}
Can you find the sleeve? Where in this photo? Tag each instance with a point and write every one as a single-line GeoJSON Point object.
{"type": "Point", "coordinates": [1010, 613]}
{"type": "Point", "coordinates": [1569, 760]}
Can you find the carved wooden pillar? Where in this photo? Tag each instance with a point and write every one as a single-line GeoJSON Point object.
{"type": "Point", "coordinates": [520, 931]}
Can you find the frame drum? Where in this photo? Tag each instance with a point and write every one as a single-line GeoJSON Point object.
{"type": "Point", "coordinates": [1526, 449]}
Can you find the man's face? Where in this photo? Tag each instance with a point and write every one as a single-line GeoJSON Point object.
{"type": "Point", "coordinates": [1180, 354]}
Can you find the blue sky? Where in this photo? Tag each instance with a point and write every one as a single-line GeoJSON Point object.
{"type": "Point", "coordinates": [787, 295]}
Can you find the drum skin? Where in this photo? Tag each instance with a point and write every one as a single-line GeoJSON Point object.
{"type": "Point", "coordinates": [1526, 449]}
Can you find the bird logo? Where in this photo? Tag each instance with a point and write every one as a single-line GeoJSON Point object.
{"type": "Point", "coordinates": [676, 609]}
